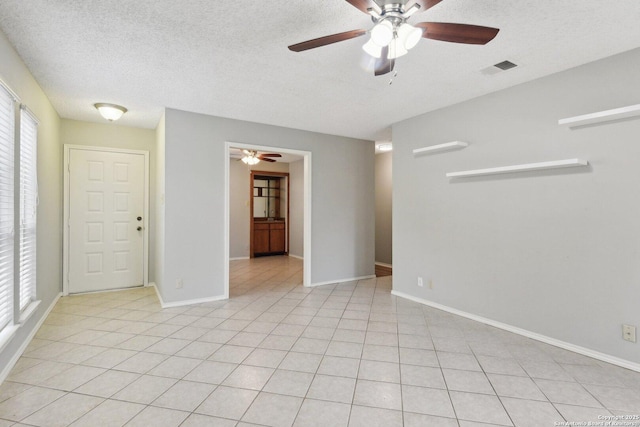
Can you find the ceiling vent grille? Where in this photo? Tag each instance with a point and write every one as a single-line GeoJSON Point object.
{"type": "Point", "coordinates": [505, 65]}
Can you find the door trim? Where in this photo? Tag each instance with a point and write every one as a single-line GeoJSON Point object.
{"type": "Point", "coordinates": [66, 208]}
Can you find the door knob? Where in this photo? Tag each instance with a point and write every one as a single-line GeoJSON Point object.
{"type": "Point", "coordinates": [139, 218]}
{"type": "Point", "coordinates": [139, 228]}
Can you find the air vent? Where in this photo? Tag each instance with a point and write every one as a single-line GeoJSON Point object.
{"type": "Point", "coordinates": [505, 65]}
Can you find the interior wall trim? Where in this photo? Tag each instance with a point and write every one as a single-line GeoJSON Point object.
{"type": "Point", "coordinates": [382, 264]}
{"type": "Point", "coordinates": [525, 333]}
{"type": "Point", "coordinates": [335, 282]}
{"type": "Point", "coordinates": [187, 302]}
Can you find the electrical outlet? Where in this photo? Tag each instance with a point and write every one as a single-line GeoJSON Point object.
{"type": "Point", "coordinates": [179, 284]}
{"type": "Point", "coordinates": [430, 284]}
{"type": "Point", "coordinates": [629, 333]}
{"type": "Point", "coordinates": [420, 284]}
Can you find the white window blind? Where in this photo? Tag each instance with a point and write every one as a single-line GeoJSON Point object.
{"type": "Point", "coordinates": [28, 206]}
{"type": "Point", "coordinates": [7, 141]}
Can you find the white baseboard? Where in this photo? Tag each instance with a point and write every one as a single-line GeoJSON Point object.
{"type": "Point", "coordinates": [334, 282]}
{"type": "Point", "coordinates": [525, 333]}
{"type": "Point", "coordinates": [7, 369]}
{"type": "Point", "coordinates": [296, 256]}
{"type": "Point", "coordinates": [187, 302]}
{"type": "Point", "coordinates": [382, 264]}
{"type": "Point", "coordinates": [238, 258]}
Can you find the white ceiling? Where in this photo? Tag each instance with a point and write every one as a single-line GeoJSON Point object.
{"type": "Point", "coordinates": [230, 58]}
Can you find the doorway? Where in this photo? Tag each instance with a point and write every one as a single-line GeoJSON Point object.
{"type": "Point", "coordinates": [106, 215]}
{"type": "Point", "coordinates": [269, 217]}
{"type": "Point", "coordinates": [305, 197]}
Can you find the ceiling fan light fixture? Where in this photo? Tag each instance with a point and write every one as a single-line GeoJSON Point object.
{"type": "Point", "coordinates": [250, 160]}
{"type": "Point", "coordinates": [413, 9]}
{"type": "Point", "coordinates": [396, 49]}
{"type": "Point", "coordinates": [372, 49]}
{"type": "Point", "coordinates": [382, 33]}
{"type": "Point", "coordinates": [111, 112]}
{"type": "Point", "coordinates": [409, 35]}
{"type": "Point", "coordinates": [250, 157]}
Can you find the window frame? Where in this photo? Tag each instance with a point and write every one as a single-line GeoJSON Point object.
{"type": "Point", "coordinates": [11, 145]}
{"type": "Point", "coordinates": [26, 222]}
{"type": "Point", "coordinates": [8, 324]}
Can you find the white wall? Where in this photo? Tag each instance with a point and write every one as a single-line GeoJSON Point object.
{"type": "Point", "coordinates": [113, 136]}
{"type": "Point", "coordinates": [49, 233]}
{"type": "Point", "coordinates": [296, 209]}
{"type": "Point", "coordinates": [342, 201]}
{"type": "Point", "coordinates": [239, 204]}
{"type": "Point", "coordinates": [554, 252]}
{"type": "Point", "coordinates": [383, 208]}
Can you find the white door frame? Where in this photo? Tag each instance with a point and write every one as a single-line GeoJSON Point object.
{"type": "Point", "coordinates": [145, 224]}
{"type": "Point", "coordinates": [306, 263]}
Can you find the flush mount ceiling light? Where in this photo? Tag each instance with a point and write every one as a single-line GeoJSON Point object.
{"type": "Point", "coordinates": [111, 112]}
{"type": "Point", "coordinates": [392, 37]}
{"type": "Point", "coordinates": [387, 146]}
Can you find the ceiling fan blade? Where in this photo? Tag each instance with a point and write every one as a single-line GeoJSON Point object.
{"type": "Point", "coordinates": [363, 5]}
{"type": "Point", "coordinates": [383, 64]}
{"type": "Point", "coordinates": [426, 4]}
{"type": "Point", "coordinates": [323, 41]}
{"type": "Point", "coordinates": [457, 33]}
{"type": "Point", "coordinates": [266, 159]}
{"type": "Point", "coordinates": [270, 155]}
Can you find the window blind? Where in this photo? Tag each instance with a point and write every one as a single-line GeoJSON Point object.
{"type": "Point", "coordinates": [7, 138]}
{"type": "Point", "coordinates": [28, 206]}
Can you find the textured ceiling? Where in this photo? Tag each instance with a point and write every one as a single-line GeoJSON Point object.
{"type": "Point", "coordinates": [230, 58]}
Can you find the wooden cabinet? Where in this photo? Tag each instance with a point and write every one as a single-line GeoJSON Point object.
{"type": "Point", "coordinates": [261, 238]}
{"type": "Point", "coordinates": [276, 238]}
{"type": "Point", "coordinates": [266, 196]}
{"type": "Point", "coordinates": [269, 207]}
{"type": "Point", "coordinates": [269, 238]}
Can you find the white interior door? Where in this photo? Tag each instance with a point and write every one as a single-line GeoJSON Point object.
{"type": "Point", "coordinates": [106, 224]}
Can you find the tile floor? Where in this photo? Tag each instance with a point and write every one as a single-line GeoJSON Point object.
{"type": "Point", "coordinates": [278, 354]}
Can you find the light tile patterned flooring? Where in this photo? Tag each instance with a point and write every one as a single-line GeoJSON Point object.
{"type": "Point", "coordinates": [278, 354]}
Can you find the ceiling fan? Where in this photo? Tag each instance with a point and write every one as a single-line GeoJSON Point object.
{"type": "Point", "coordinates": [251, 157]}
{"type": "Point", "coordinates": [392, 37]}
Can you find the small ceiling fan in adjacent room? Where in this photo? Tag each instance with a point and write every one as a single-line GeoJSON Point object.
{"type": "Point", "coordinates": [392, 37]}
{"type": "Point", "coordinates": [252, 157]}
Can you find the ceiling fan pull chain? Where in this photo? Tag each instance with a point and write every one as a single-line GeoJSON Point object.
{"type": "Point", "coordinates": [393, 77]}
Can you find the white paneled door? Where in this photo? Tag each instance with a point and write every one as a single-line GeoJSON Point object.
{"type": "Point", "coordinates": [106, 204]}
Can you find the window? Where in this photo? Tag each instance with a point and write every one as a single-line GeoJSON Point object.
{"type": "Point", "coordinates": [28, 206]}
{"type": "Point", "coordinates": [18, 206]}
{"type": "Point", "coordinates": [7, 142]}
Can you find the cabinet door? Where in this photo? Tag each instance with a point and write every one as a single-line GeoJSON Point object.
{"type": "Point", "coordinates": [261, 239]}
{"type": "Point", "coordinates": [276, 240]}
